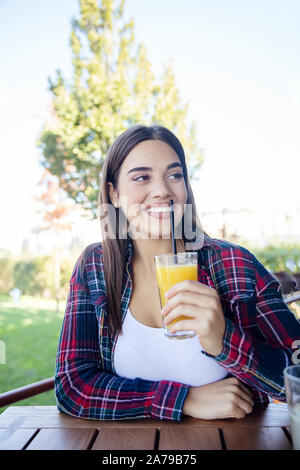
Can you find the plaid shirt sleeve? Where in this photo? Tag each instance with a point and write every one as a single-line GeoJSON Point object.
{"type": "Point", "coordinates": [83, 389]}
{"type": "Point", "coordinates": [258, 353]}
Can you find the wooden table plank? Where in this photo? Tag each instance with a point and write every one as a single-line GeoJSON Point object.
{"type": "Point", "coordinates": [288, 428]}
{"type": "Point", "coordinates": [62, 439]}
{"type": "Point", "coordinates": [264, 428]}
{"type": "Point", "coordinates": [189, 438]}
{"type": "Point", "coordinates": [256, 438]}
{"type": "Point", "coordinates": [15, 439]}
{"type": "Point", "coordinates": [125, 439]}
{"type": "Point", "coordinates": [288, 431]}
{"type": "Point", "coordinates": [49, 417]}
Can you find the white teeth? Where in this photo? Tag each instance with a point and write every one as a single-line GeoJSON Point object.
{"type": "Point", "coordinates": [159, 209]}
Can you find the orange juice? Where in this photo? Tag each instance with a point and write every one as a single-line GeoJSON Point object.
{"type": "Point", "coordinates": [167, 276]}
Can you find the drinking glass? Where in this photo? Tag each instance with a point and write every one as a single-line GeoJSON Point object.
{"type": "Point", "coordinates": [171, 269]}
{"type": "Point", "coordinates": [292, 390]}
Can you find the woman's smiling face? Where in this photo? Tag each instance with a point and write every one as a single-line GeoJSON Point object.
{"type": "Point", "coordinates": [150, 176]}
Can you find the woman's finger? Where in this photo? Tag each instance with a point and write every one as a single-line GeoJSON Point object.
{"type": "Point", "coordinates": [183, 325]}
{"type": "Point", "coordinates": [188, 311]}
{"type": "Point", "coordinates": [191, 286]}
{"type": "Point", "coordinates": [188, 298]}
{"type": "Point", "coordinates": [241, 385]}
{"type": "Point", "coordinates": [244, 396]}
{"type": "Point", "coordinates": [244, 405]}
{"type": "Point", "coordinates": [246, 390]}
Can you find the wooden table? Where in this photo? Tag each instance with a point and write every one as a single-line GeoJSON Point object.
{"type": "Point", "coordinates": [44, 427]}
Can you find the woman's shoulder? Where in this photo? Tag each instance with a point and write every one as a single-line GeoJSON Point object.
{"type": "Point", "coordinates": [88, 271]}
{"type": "Point", "coordinates": [88, 259]}
{"type": "Point", "coordinates": [240, 267]}
{"type": "Point", "coordinates": [92, 252]}
{"type": "Point", "coordinates": [230, 250]}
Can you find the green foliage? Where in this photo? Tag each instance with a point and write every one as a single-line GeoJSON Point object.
{"type": "Point", "coordinates": [284, 257]}
{"type": "Point", "coordinates": [6, 274]}
{"type": "Point", "coordinates": [35, 276]}
{"type": "Point", "coordinates": [277, 256]}
{"type": "Point", "coordinates": [32, 276]}
{"type": "Point", "coordinates": [112, 88]}
{"type": "Point", "coordinates": [66, 268]}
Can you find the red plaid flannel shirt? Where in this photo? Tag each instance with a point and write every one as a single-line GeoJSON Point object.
{"type": "Point", "coordinates": [257, 344]}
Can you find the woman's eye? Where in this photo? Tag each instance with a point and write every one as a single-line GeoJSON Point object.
{"type": "Point", "coordinates": [137, 179]}
{"type": "Point", "coordinates": [177, 176]}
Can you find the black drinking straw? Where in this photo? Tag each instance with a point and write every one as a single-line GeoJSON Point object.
{"type": "Point", "coordinates": [172, 225]}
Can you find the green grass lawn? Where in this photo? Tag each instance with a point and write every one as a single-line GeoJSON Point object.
{"type": "Point", "coordinates": [31, 333]}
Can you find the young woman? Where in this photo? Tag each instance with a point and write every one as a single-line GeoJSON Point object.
{"type": "Point", "coordinates": [113, 360]}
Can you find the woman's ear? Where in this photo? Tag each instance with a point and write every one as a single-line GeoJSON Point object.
{"type": "Point", "coordinates": [113, 193]}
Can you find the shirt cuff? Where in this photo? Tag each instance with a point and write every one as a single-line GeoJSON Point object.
{"type": "Point", "coordinates": [237, 345]}
{"type": "Point", "coordinates": [168, 400]}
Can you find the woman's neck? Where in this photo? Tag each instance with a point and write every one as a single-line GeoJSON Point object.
{"type": "Point", "coordinates": [145, 250]}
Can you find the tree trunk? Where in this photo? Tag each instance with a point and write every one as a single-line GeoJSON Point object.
{"type": "Point", "coordinates": [57, 272]}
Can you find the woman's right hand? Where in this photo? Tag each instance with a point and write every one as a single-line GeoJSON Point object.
{"type": "Point", "coordinates": [227, 398]}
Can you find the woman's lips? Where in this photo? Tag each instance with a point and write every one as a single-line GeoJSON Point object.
{"type": "Point", "coordinates": [157, 214]}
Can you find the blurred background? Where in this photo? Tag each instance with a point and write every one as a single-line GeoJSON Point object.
{"type": "Point", "coordinates": [224, 76]}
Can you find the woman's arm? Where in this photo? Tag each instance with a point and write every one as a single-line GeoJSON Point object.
{"type": "Point", "coordinates": [257, 343]}
{"type": "Point", "coordinates": [83, 389]}
{"type": "Point", "coordinates": [260, 362]}
{"type": "Point", "coordinates": [226, 398]}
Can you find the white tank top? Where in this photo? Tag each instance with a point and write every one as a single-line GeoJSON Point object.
{"type": "Point", "coordinates": [145, 352]}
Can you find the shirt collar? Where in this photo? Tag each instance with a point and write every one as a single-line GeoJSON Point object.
{"type": "Point", "coordinates": [202, 240]}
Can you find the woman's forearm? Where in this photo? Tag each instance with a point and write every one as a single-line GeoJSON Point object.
{"type": "Point", "coordinates": [83, 390]}
{"type": "Point", "coordinates": [256, 363]}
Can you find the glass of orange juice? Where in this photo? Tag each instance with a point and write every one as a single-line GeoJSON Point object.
{"type": "Point", "coordinates": [171, 269]}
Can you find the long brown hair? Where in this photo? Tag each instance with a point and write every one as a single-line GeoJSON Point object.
{"type": "Point", "coordinates": [115, 249]}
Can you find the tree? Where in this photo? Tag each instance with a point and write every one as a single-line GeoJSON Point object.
{"type": "Point", "coordinates": [55, 209]}
{"type": "Point", "coordinates": [54, 205]}
{"type": "Point", "coordinates": [112, 88]}
{"type": "Point", "coordinates": [6, 273]}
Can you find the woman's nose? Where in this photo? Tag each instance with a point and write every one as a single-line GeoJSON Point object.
{"type": "Point", "coordinates": [160, 188]}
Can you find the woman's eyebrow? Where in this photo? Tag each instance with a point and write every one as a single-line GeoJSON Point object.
{"type": "Point", "coordinates": [147, 168]}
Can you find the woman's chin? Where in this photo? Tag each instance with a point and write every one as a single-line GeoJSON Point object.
{"type": "Point", "coordinates": [151, 228]}
{"type": "Point", "coordinates": [150, 235]}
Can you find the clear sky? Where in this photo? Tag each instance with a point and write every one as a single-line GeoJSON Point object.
{"type": "Point", "coordinates": [237, 63]}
